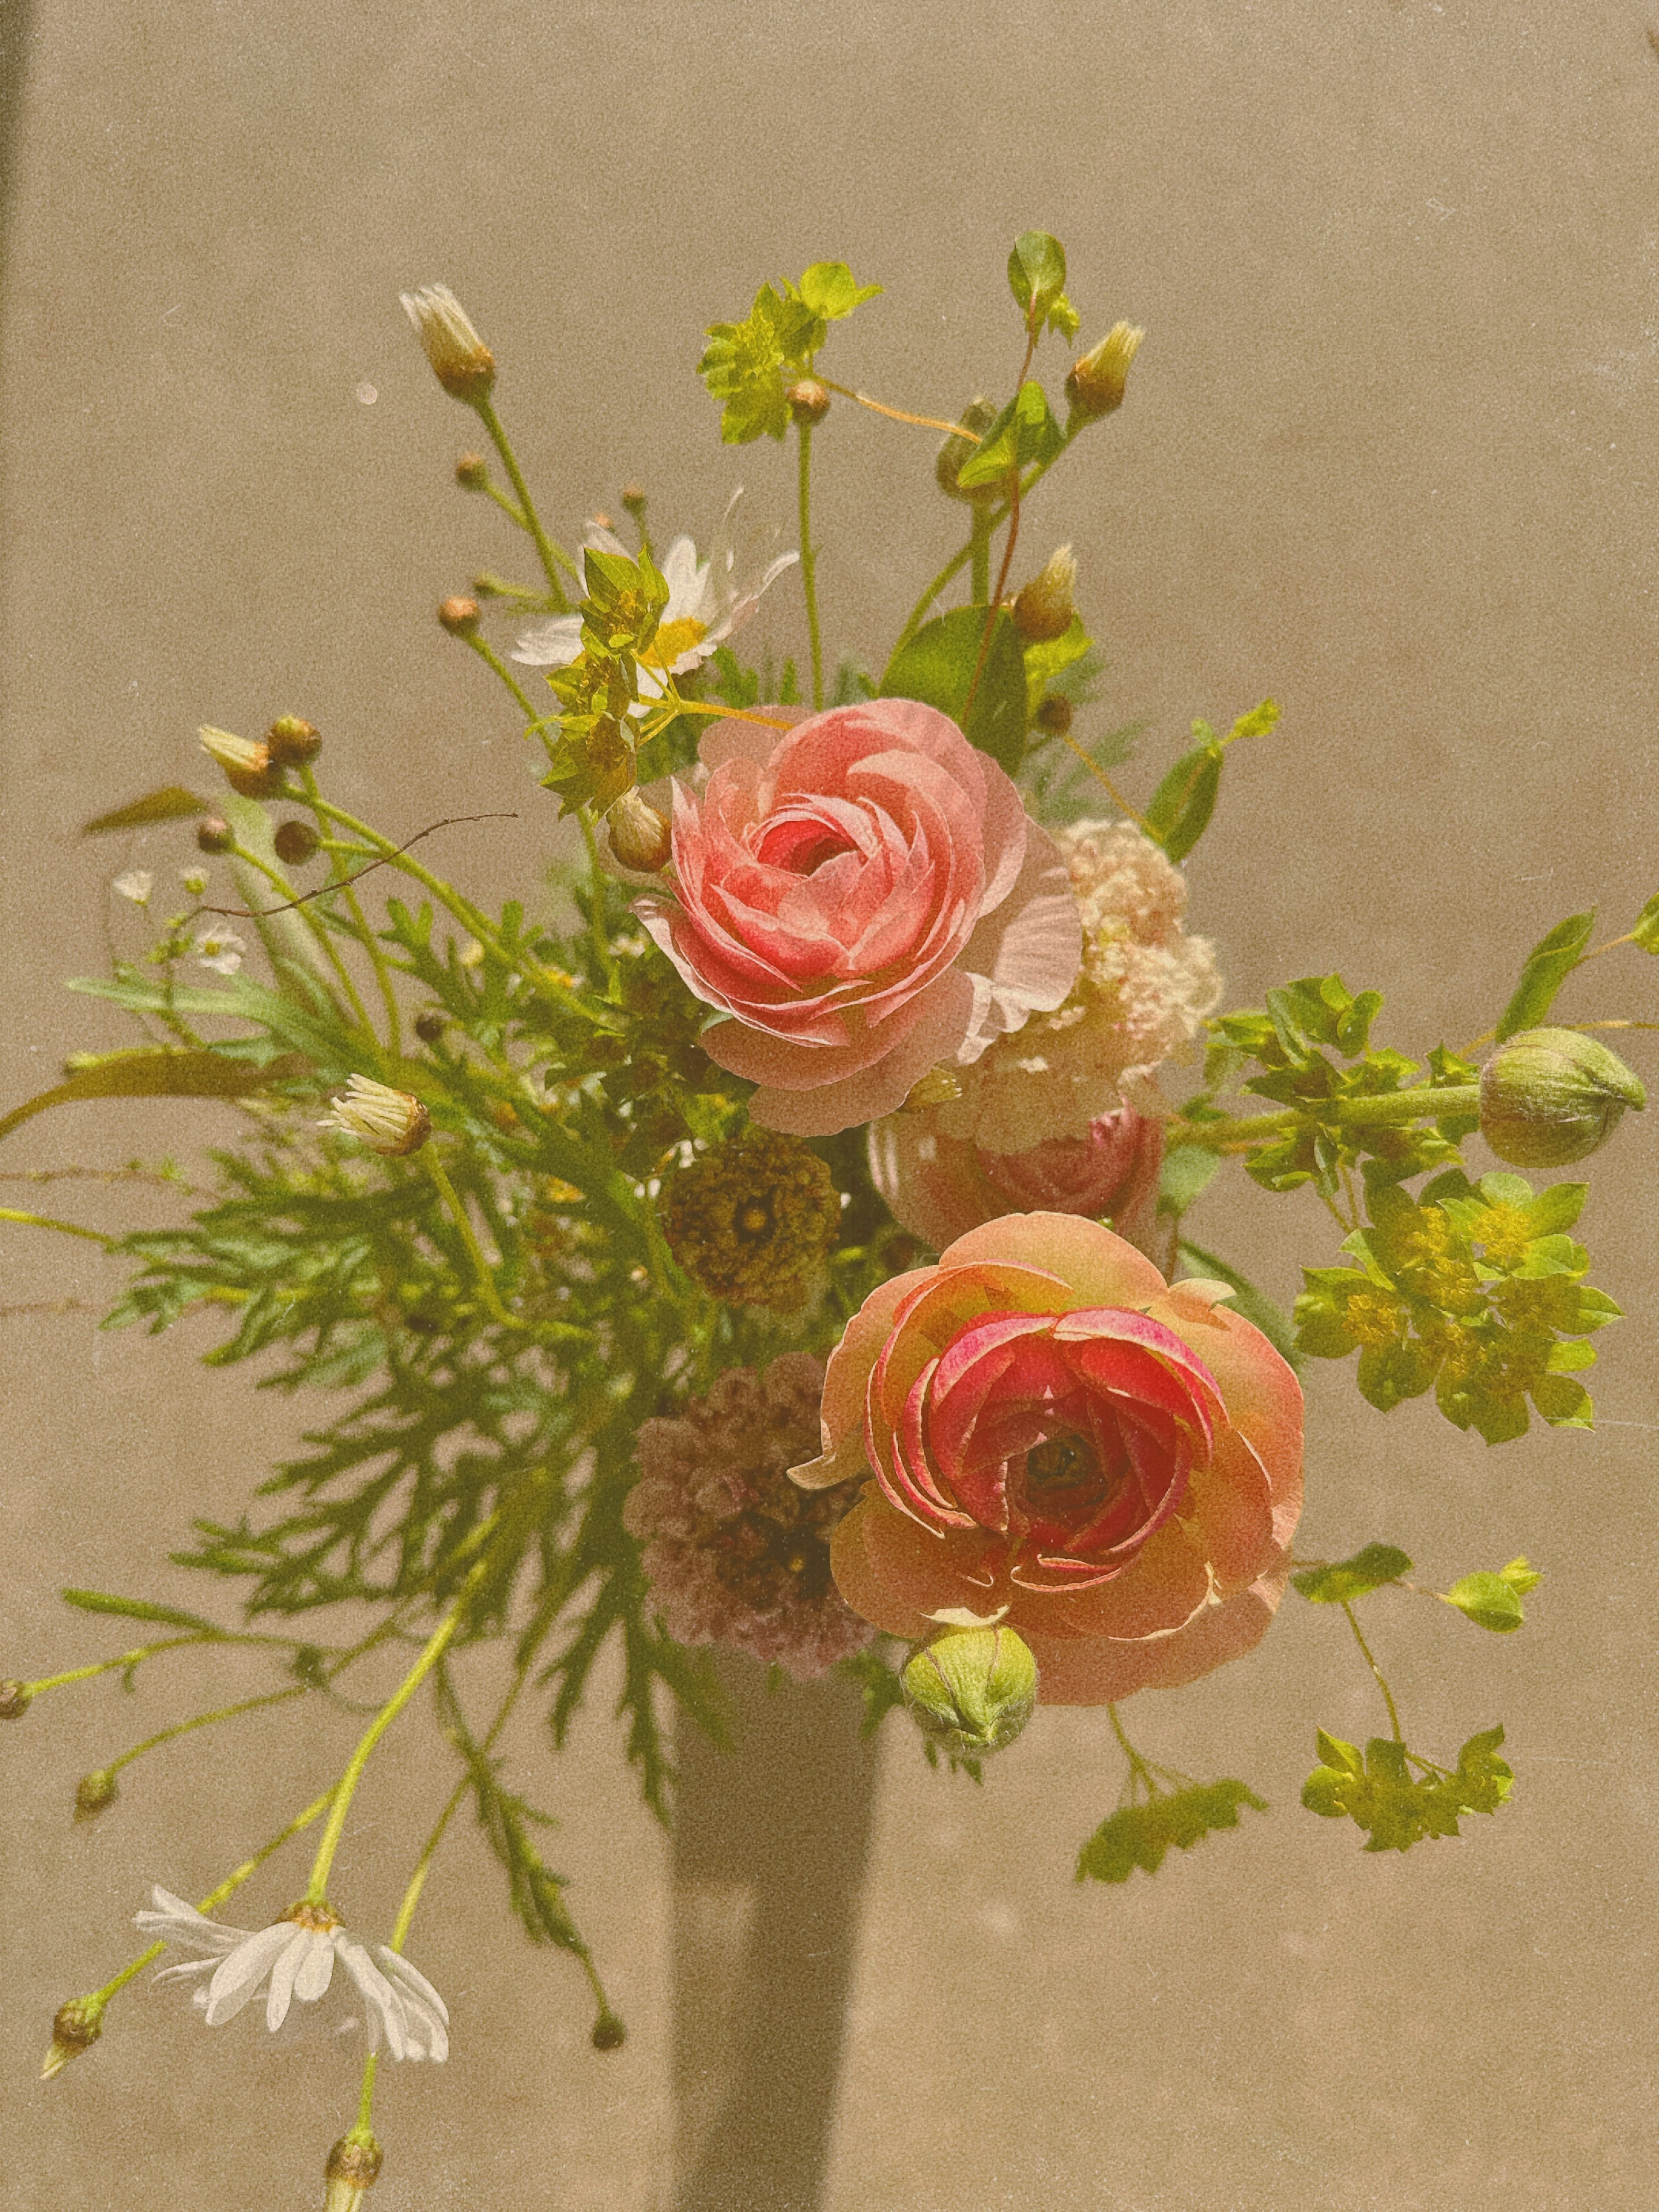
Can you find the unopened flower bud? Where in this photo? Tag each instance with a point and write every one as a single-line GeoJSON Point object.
{"type": "Point", "coordinates": [248, 768]}
{"type": "Point", "coordinates": [955, 454]}
{"type": "Point", "coordinates": [294, 742]}
{"type": "Point", "coordinates": [460, 360]}
{"type": "Point", "coordinates": [1054, 712]}
{"type": "Point", "coordinates": [633, 500]}
{"type": "Point", "coordinates": [15, 1700]}
{"type": "Point", "coordinates": [389, 1122]}
{"type": "Point", "coordinates": [808, 400]}
{"type": "Point", "coordinates": [76, 2027]}
{"type": "Point", "coordinates": [458, 617]}
{"type": "Point", "coordinates": [472, 472]}
{"type": "Point", "coordinates": [971, 1690]}
{"type": "Point", "coordinates": [352, 2170]}
{"type": "Point", "coordinates": [1096, 382]}
{"type": "Point", "coordinates": [431, 1025]}
{"type": "Point", "coordinates": [1549, 1097]}
{"type": "Point", "coordinates": [638, 834]}
{"type": "Point", "coordinates": [214, 834]}
{"type": "Point", "coordinates": [296, 842]}
{"type": "Point", "coordinates": [609, 2032]}
{"type": "Point", "coordinates": [94, 1793]}
{"type": "Point", "coordinates": [1044, 608]}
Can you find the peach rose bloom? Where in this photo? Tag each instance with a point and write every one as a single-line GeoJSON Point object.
{"type": "Point", "coordinates": [939, 1187]}
{"type": "Point", "coordinates": [865, 896]}
{"type": "Point", "coordinates": [1059, 1440]}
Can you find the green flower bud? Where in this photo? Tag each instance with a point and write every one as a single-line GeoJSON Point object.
{"type": "Point", "coordinates": [352, 2170]}
{"type": "Point", "coordinates": [295, 843]}
{"type": "Point", "coordinates": [1098, 379]}
{"type": "Point", "coordinates": [955, 454]}
{"type": "Point", "coordinates": [472, 472]}
{"type": "Point", "coordinates": [14, 1700]}
{"type": "Point", "coordinates": [214, 834]}
{"type": "Point", "coordinates": [1548, 1096]}
{"type": "Point", "coordinates": [76, 2027]}
{"type": "Point", "coordinates": [1044, 608]}
{"type": "Point", "coordinates": [609, 2032]}
{"type": "Point", "coordinates": [293, 742]}
{"type": "Point", "coordinates": [430, 1025]}
{"type": "Point", "coordinates": [971, 1690]}
{"type": "Point", "coordinates": [1054, 714]}
{"type": "Point", "coordinates": [809, 402]}
{"type": "Point", "coordinates": [94, 1793]}
{"type": "Point", "coordinates": [638, 835]}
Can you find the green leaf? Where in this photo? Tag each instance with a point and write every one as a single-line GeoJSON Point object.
{"type": "Point", "coordinates": [148, 1073]}
{"type": "Point", "coordinates": [1549, 963]}
{"type": "Point", "coordinates": [1351, 1578]}
{"type": "Point", "coordinates": [1646, 931]}
{"type": "Point", "coordinates": [173, 803]}
{"type": "Point", "coordinates": [878, 1684]}
{"type": "Point", "coordinates": [1025, 432]}
{"type": "Point", "coordinates": [1489, 1601]}
{"type": "Point", "coordinates": [937, 666]}
{"type": "Point", "coordinates": [138, 1608]}
{"type": "Point", "coordinates": [1182, 804]}
{"type": "Point", "coordinates": [1141, 1835]}
{"type": "Point", "coordinates": [1254, 1305]}
{"type": "Point", "coordinates": [1256, 724]}
{"type": "Point", "coordinates": [1036, 274]}
{"type": "Point", "coordinates": [1049, 659]}
{"type": "Point", "coordinates": [1186, 1173]}
{"type": "Point", "coordinates": [1521, 1575]}
{"type": "Point", "coordinates": [831, 290]}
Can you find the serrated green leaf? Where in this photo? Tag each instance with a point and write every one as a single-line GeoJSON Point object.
{"type": "Point", "coordinates": [1141, 1835]}
{"type": "Point", "coordinates": [138, 1608]}
{"type": "Point", "coordinates": [1351, 1578]}
{"type": "Point", "coordinates": [1489, 1601]}
{"type": "Point", "coordinates": [937, 665]}
{"type": "Point", "coordinates": [1549, 963]}
{"type": "Point", "coordinates": [1521, 1575]}
{"type": "Point", "coordinates": [1049, 659]}
{"type": "Point", "coordinates": [173, 803]}
{"type": "Point", "coordinates": [1646, 931]}
{"type": "Point", "coordinates": [831, 290]}
{"type": "Point", "coordinates": [1025, 432]}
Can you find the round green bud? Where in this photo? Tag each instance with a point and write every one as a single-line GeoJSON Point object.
{"type": "Point", "coordinates": [955, 454]}
{"type": "Point", "coordinates": [609, 2032]}
{"type": "Point", "coordinates": [1550, 1096]}
{"type": "Point", "coordinates": [295, 843]}
{"type": "Point", "coordinates": [472, 472]}
{"type": "Point", "coordinates": [430, 1025]}
{"type": "Point", "coordinates": [94, 1793]}
{"type": "Point", "coordinates": [213, 835]}
{"type": "Point", "coordinates": [293, 742]}
{"type": "Point", "coordinates": [971, 1690]}
{"type": "Point", "coordinates": [14, 1700]}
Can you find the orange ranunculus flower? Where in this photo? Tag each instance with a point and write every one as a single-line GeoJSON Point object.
{"type": "Point", "coordinates": [1062, 1441]}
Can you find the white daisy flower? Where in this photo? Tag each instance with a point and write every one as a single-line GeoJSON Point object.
{"type": "Point", "coordinates": [388, 1122]}
{"type": "Point", "coordinates": [293, 1958]}
{"type": "Point", "coordinates": [137, 884]}
{"type": "Point", "coordinates": [221, 950]}
{"type": "Point", "coordinates": [704, 608]}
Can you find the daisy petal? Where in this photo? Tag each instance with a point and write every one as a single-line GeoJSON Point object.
{"type": "Point", "coordinates": [316, 1970]}
{"type": "Point", "coordinates": [283, 1973]}
{"type": "Point", "coordinates": [386, 2006]}
{"type": "Point", "coordinates": [240, 1975]}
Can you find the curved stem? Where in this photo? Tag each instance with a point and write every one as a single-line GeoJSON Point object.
{"type": "Point", "coordinates": [437, 1643]}
{"type": "Point", "coordinates": [205, 1720]}
{"type": "Point", "coordinates": [897, 414]}
{"type": "Point", "coordinates": [463, 1220]}
{"type": "Point", "coordinates": [551, 555]}
{"type": "Point", "coordinates": [280, 883]}
{"type": "Point", "coordinates": [1388, 1695]}
{"type": "Point", "coordinates": [46, 1221]}
{"type": "Point", "coordinates": [979, 548]}
{"type": "Point", "coordinates": [493, 660]}
{"type": "Point", "coordinates": [809, 562]}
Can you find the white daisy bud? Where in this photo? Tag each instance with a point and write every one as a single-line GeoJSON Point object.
{"type": "Point", "coordinates": [388, 1122]}
{"type": "Point", "coordinates": [248, 768]}
{"type": "Point", "coordinates": [1096, 383]}
{"type": "Point", "coordinates": [460, 360]}
{"type": "Point", "coordinates": [1044, 608]}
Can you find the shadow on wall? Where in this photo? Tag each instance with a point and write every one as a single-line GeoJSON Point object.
{"type": "Point", "coordinates": [770, 1843]}
{"type": "Point", "coordinates": [17, 17]}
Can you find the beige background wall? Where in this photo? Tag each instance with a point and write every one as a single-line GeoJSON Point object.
{"type": "Point", "coordinates": [1389, 454]}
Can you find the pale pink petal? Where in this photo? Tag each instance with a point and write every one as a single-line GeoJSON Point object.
{"type": "Point", "coordinates": [1024, 957]}
{"type": "Point", "coordinates": [1100, 1269]}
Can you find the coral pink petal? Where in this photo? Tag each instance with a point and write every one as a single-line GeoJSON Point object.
{"type": "Point", "coordinates": [845, 1380]}
{"type": "Point", "coordinates": [880, 1086]}
{"type": "Point", "coordinates": [898, 1575]}
{"type": "Point", "coordinates": [1100, 1267]}
{"type": "Point", "coordinates": [1100, 1671]}
{"type": "Point", "coordinates": [1263, 1397]}
{"type": "Point", "coordinates": [1170, 1584]}
{"type": "Point", "coordinates": [1230, 1505]}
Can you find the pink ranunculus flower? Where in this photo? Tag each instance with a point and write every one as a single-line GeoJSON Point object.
{"type": "Point", "coordinates": [865, 896]}
{"type": "Point", "coordinates": [940, 1187]}
{"type": "Point", "coordinates": [1059, 1440]}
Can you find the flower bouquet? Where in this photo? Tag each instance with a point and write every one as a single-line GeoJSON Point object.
{"type": "Point", "coordinates": [783, 1238]}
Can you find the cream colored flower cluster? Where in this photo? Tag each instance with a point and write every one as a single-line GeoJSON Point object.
{"type": "Point", "coordinates": [1145, 989]}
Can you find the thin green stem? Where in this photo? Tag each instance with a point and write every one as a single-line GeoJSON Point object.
{"type": "Point", "coordinates": [46, 1221]}
{"type": "Point", "coordinates": [463, 1220]}
{"type": "Point", "coordinates": [493, 660]}
{"type": "Point", "coordinates": [205, 1720]}
{"type": "Point", "coordinates": [596, 871]}
{"type": "Point", "coordinates": [1424, 1102]}
{"type": "Point", "coordinates": [436, 1645]}
{"type": "Point", "coordinates": [133, 1658]}
{"type": "Point", "coordinates": [552, 556]}
{"type": "Point", "coordinates": [979, 550]}
{"type": "Point", "coordinates": [809, 563]}
{"type": "Point", "coordinates": [509, 507]}
{"type": "Point", "coordinates": [1388, 1695]}
{"type": "Point", "coordinates": [367, 938]}
{"type": "Point", "coordinates": [280, 883]}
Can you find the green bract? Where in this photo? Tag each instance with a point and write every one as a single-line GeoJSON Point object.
{"type": "Point", "coordinates": [1395, 1807]}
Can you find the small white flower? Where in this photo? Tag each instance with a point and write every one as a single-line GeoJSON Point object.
{"type": "Point", "coordinates": [704, 608]}
{"type": "Point", "coordinates": [194, 881]}
{"type": "Point", "coordinates": [137, 884]}
{"type": "Point", "coordinates": [221, 950]}
{"type": "Point", "coordinates": [388, 1122]}
{"type": "Point", "coordinates": [293, 1959]}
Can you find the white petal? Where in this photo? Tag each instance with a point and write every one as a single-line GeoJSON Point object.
{"type": "Point", "coordinates": [596, 538]}
{"type": "Point", "coordinates": [384, 2002]}
{"type": "Point", "coordinates": [686, 580]}
{"type": "Point", "coordinates": [190, 1970]}
{"type": "Point", "coordinates": [551, 644]}
{"type": "Point", "coordinates": [282, 1974]}
{"type": "Point", "coordinates": [316, 1969]}
{"type": "Point", "coordinates": [240, 1975]}
{"type": "Point", "coordinates": [175, 1922]}
{"type": "Point", "coordinates": [426, 2017]}
{"type": "Point", "coordinates": [409, 1977]}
